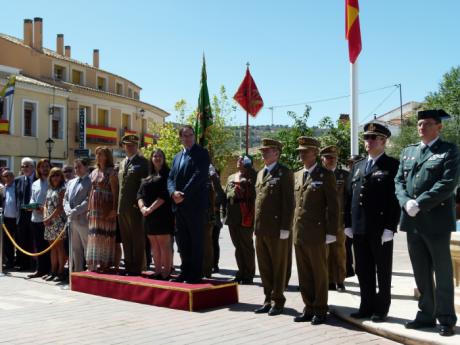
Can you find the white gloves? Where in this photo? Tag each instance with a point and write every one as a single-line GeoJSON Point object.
{"type": "Point", "coordinates": [387, 236]}
{"type": "Point", "coordinates": [330, 238]}
{"type": "Point", "coordinates": [412, 207]}
{"type": "Point", "coordinates": [348, 232]}
{"type": "Point", "coordinates": [284, 234]}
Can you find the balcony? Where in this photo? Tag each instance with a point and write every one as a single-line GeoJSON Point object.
{"type": "Point", "coordinates": [98, 135]}
{"type": "Point", "coordinates": [4, 127]}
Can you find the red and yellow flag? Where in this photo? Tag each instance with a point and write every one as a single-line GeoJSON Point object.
{"type": "Point", "coordinates": [352, 29]}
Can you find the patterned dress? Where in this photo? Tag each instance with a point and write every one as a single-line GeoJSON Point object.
{"type": "Point", "coordinates": [53, 230]}
{"type": "Point", "coordinates": [100, 251]}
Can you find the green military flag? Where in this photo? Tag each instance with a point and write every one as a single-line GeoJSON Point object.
{"type": "Point", "coordinates": [203, 113]}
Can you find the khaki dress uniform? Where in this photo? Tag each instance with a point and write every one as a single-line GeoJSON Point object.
{"type": "Point", "coordinates": [273, 213]}
{"type": "Point", "coordinates": [130, 174]}
{"type": "Point", "coordinates": [316, 214]}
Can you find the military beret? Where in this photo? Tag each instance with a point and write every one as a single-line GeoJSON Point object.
{"type": "Point", "coordinates": [270, 144]}
{"type": "Point", "coordinates": [130, 139]}
{"type": "Point", "coordinates": [376, 129]}
{"type": "Point", "coordinates": [437, 114]}
{"type": "Point", "coordinates": [329, 151]}
{"type": "Point", "coordinates": [306, 143]}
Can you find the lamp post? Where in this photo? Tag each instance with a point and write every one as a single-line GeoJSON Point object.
{"type": "Point", "coordinates": [49, 145]}
{"type": "Point", "coordinates": [142, 112]}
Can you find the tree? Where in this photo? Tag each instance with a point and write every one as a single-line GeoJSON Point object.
{"type": "Point", "coordinates": [448, 98]}
{"type": "Point", "coordinates": [408, 135]}
{"type": "Point", "coordinates": [288, 137]}
{"type": "Point", "coordinates": [338, 135]}
{"type": "Point", "coordinates": [167, 140]}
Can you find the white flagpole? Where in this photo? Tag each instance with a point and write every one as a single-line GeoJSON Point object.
{"type": "Point", "coordinates": [354, 149]}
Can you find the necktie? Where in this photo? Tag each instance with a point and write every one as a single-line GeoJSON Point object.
{"type": "Point", "coordinates": [305, 176]}
{"type": "Point", "coordinates": [369, 166]}
{"type": "Point", "coordinates": [27, 190]}
{"type": "Point", "coordinates": [182, 159]}
{"type": "Point", "coordinates": [425, 149]}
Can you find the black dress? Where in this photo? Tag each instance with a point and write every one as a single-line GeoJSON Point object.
{"type": "Point", "coordinates": [160, 221]}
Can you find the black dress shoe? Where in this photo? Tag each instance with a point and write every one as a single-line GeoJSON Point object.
{"type": "Point", "coordinates": [318, 319]}
{"type": "Point", "coordinates": [360, 315]}
{"type": "Point", "coordinates": [341, 288]}
{"type": "Point", "coordinates": [332, 287]}
{"type": "Point", "coordinates": [275, 311]}
{"type": "Point", "coordinates": [246, 282]}
{"type": "Point", "coordinates": [216, 269]}
{"type": "Point", "coordinates": [193, 281]}
{"type": "Point", "coordinates": [446, 331]}
{"type": "Point", "coordinates": [35, 275]}
{"type": "Point", "coordinates": [263, 309]}
{"type": "Point", "coordinates": [178, 279]}
{"type": "Point", "coordinates": [379, 317]}
{"type": "Point", "coordinates": [304, 317]}
{"type": "Point", "coordinates": [419, 324]}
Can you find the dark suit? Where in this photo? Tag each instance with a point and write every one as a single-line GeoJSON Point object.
{"type": "Point", "coordinates": [24, 236]}
{"type": "Point", "coordinates": [372, 207]}
{"type": "Point", "coordinates": [430, 178]}
{"type": "Point", "coordinates": [189, 175]}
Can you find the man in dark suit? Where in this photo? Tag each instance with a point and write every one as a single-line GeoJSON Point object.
{"type": "Point", "coordinates": [371, 219]}
{"type": "Point", "coordinates": [23, 185]}
{"type": "Point", "coordinates": [425, 187]}
{"type": "Point", "coordinates": [187, 185]}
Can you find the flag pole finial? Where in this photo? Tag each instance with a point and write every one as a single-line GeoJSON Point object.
{"type": "Point", "coordinates": [247, 64]}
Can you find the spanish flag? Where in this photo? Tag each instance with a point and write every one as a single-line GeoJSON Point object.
{"type": "Point", "coordinates": [352, 29]}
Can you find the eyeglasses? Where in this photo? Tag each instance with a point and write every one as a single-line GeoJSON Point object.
{"type": "Point", "coordinates": [370, 136]}
{"type": "Point", "coordinates": [26, 166]}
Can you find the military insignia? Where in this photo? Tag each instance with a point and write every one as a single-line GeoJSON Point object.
{"type": "Point", "coordinates": [316, 183]}
{"type": "Point", "coordinates": [412, 158]}
{"type": "Point", "coordinates": [437, 156]}
{"type": "Point", "coordinates": [380, 173]}
{"type": "Point", "coordinates": [371, 127]}
{"type": "Point", "coordinates": [357, 172]}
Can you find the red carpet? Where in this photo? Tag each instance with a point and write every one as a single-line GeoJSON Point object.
{"type": "Point", "coordinates": [191, 297]}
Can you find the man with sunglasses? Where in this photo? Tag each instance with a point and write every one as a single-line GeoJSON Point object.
{"type": "Point", "coordinates": [425, 187]}
{"type": "Point", "coordinates": [371, 218]}
{"type": "Point", "coordinates": [337, 253]}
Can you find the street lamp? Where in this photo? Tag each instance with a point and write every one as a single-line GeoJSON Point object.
{"type": "Point", "coordinates": [142, 111]}
{"type": "Point", "coordinates": [49, 145]}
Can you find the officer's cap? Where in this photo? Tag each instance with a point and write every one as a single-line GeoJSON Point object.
{"type": "Point", "coordinates": [329, 151]}
{"type": "Point", "coordinates": [306, 143]}
{"type": "Point", "coordinates": [271, 144]}
{"type": "Point", "coordinates": [130, 139]}
{"type": "Point", "coordinates": [437, 114]}
{"type": "Point", "coordinates": [376, 129]}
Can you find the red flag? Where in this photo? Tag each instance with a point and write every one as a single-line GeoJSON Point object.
{"type": "Point", "coordinates": [248, 96]}
{"type": "Point", "coordinates": [352, 29]}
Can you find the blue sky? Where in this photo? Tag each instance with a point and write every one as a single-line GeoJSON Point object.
{"type": "Point", "coordinates": [296, 49]}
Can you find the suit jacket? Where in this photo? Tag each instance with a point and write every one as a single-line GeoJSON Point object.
{"type": "Point", "coordinates": [274, 201]}
{"type": "Point", "coordinates": [316, 207]}
{"type": "Point", "coordinates": [372, 205]}
{"type": "Point", "coordinates": [190, 178]}
{"type": "Point", "coordinates": [76, 201]}
{"type": "Point", "coordinates": [430, 179]}
{"type": "Point", "coordinates": [130, 175]}
{"type": "Point", "coordinates": [22, 197]}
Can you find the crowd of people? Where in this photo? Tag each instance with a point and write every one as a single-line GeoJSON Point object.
{"type": "Point", "coordinates": [336, 221]}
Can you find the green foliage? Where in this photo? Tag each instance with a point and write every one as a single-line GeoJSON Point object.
{"type": "Point", "coordinates": [288, 137]}
{"type": "Point", "coordinates": [168, 141]}
{"type": "Point", "coordinates": [407, 136]}
{"type": "Point", "coordinates": [338, 135]}
{"type": "Point", "coordinates": [448, 98]}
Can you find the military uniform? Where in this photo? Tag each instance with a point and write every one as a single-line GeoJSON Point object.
{"type": "Point", "coordinates": [238, 192]}
{"type": "Point", "coordinates": [336, 251]}
{"type": "Point", "coordinates": [372, 209]}
{"type": "Point", "coordinates": [130, 173]}
{"type": "Point", "coordinates": [273, 213]}
{"type": "Point", "coordinates": [315, 216]}
{"type": "Point", "coordinates": [429, 175]}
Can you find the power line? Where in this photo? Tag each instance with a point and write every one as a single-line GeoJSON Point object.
{"type": "Point", "coordinates": [380, 104]}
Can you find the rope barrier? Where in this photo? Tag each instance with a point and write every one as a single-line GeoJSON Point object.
{"type": "Point", "coordinates": [29, 253]}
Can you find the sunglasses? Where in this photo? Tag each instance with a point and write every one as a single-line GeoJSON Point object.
{"type": "Point", "coordinates": [370, 136]}
{"type": "Point", "coordinates": [26, 166]}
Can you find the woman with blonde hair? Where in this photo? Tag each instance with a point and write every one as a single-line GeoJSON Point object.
{"type": "Point", "coordinates": [54, 222]}
{"type": "Point", "coordinates": [102, 213]}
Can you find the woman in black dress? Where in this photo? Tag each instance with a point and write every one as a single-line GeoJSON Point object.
{"type": "Point", "coordinates": [155, 205]}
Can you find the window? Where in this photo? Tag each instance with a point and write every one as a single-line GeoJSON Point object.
{"type": "Point", "coordinates": [102, 117]}
{"type": "Point", "coordinates": [102, 83]}
{"type": "Point", "coordinates": [136, 95]}
{"type": "Point", "coordinates": [60, 73]}
{"type": "Point", "coordinates": [126, 121]}
{"type": "Point", "coordinates": [29, 119]}
{"type": "Point", "coordinates": [119, 88]}
{"type": "Point", "coordinates": [4, 162]}
{"type": "Point", "coordinates": [130, 92]}
{"type": "Point", "coordinates": [57, 122]}
{"type": "Point", "coordinates": [77, 77]}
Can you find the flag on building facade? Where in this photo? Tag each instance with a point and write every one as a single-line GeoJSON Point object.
{"type": "Point", "coordinates": [352, 29]}
{"type": "Point", "coordinates": [6, 98]}
{"type": "Point", "coordinates": [248, 96]}
{"type": "Point", "coordinates": [203, 113]}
